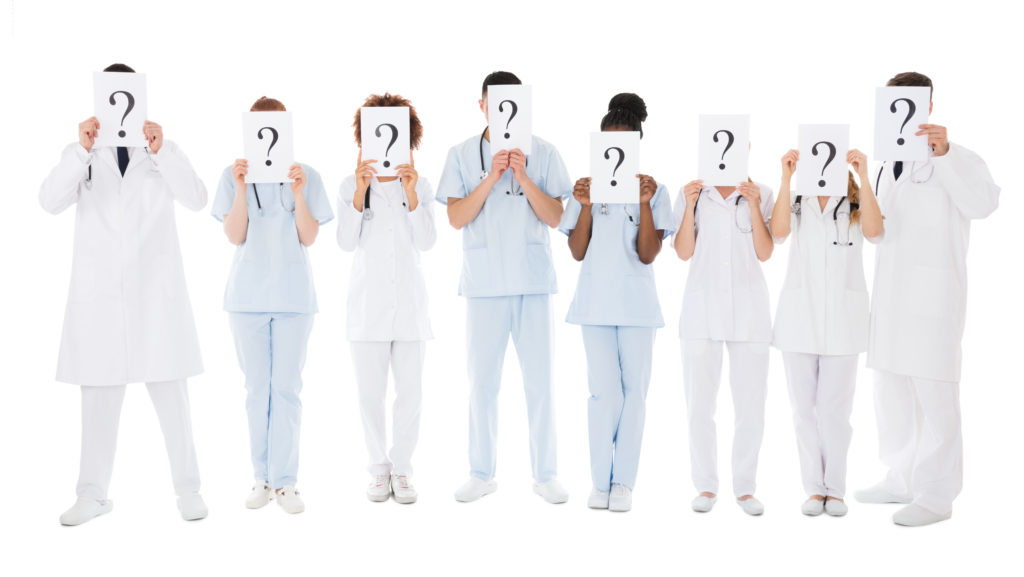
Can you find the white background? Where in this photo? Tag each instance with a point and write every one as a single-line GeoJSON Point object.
{"type": "Point", "coordinates": [207, 61]}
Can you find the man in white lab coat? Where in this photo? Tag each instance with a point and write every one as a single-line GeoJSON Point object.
{"type": "Point", "coordinates": [128, 317]}
{"type": "Point", "coordinates": [917, 320]}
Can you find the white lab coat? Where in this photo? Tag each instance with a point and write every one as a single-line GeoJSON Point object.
{"type": "Point", "coordinates": [920, 294]}
{"type": "Point", "coordinates": [128, 317]}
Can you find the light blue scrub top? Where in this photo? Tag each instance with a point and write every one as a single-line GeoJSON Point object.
{"type": "Point", "coordinates": [614, 287]}
{"type": "Point", "coordinates": [506, 250]}
{"type": "Point", "coordinates": [270, 272]}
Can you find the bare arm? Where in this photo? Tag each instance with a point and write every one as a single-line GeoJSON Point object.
{"type": "Point", "coordinates": [547, 208]}
{"type": "Point", "coordinates": [686, 236]}
{"type": "Point", "coordinates": [579, 237]}
{"type": "Point", "coordinates": [763, 243]}
{"type": "Point", "coordinates": [648, 240]}
{"type": "Point", "coordinates": [236, 222]}
{"type": "Point", "coordinates": [305, 224]}
{"type": "Point", "coordinates": [781, 224]}
{"type": "Point", "coordinates": [870, 213]}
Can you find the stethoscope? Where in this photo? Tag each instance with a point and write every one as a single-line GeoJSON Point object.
{"type": "Point", "coordinates": [367, 211]}
{"type": "Point", "coordinates": [633, 221]}
{"type": "Point", "coordinates": [484, 173]}
{"type": "Point", "coordinates": [913, 169]}
{"type": "Point", "coordinates": [735, 213]}
{"type": "Point", "coordinates": [88, 176]}
{"type": "Point", "coordinates": [797, 203]}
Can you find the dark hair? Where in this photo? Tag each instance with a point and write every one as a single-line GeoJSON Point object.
{"type": "Point", "coordinates": [265, 104]}
{"type": "Point", "coordinates": [499, 77]}
{"type": "Point", "coordinates": [912, 79]}
{"type": "Point", "coordinates": [415, 127]}
{"type": "Point", "coordinates": [118, 68]}
{"type": "Point", "coordinates": [626, 109]}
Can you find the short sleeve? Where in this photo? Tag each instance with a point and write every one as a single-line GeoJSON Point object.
{"type": "Point", "coordinates": [451, 184]}
{"type": "Point", "coordinates": [767, 203]}
{"type": "Point", "coordinates": [679, 210]}
{"type": "Point", "coordinates": [316, 197]}
{"type": "Point", "coordinates": [570, 216]}
{"type": "Point", "coordinates": [556, 181]}
{"type": "Point", "coordinates": [661, 209]}
{"type": "Point", "coordinates": [225, 196]}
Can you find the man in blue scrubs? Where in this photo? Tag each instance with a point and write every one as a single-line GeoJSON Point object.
{"type": "Point", "coordinates": [505, 204]}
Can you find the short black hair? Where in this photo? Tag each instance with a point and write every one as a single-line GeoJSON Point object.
{"type": "Point", "coordinates": [499, 77]}
{"type": "Point", "coordinates": [626, 109]}
{"type": "Point", "coordinates": [118, 68]}
{"type": "Point", "coordinates": [912, 79]}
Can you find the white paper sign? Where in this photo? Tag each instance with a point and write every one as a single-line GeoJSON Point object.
{"type": "Point", "coordinates": [384, 133]}
{"type": "Point", "coordinates": [614, 164]}
{"type": "Point", "coordinates": [821, 170]}
{"type": "Point", "coordinates": [899, 110]}
{"type": "Point", "coordinates": [509, 116]}
{"type": "Point", "coordinates": [268, 145]}
{"type": "Point", "coordinates": [723, 149]}
{"type": "Point", "coordinates": [120, 108]}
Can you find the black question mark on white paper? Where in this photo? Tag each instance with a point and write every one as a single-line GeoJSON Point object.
{"type": "Point", "coordinates": [728, 145]}
{"type": "Point", "coordinates": [131, 105]}
{"type": "Point", "coordinates": [622, 157]}
{"type": "Point", "coordinates": [911, 109]}
{"type": "Point", "coordinates": [273, 132]}
{"type": "Point", "coordinates": [394, 137]}
{"type": "Point", "coordinates": [831, 157]}
{"type": "Point", "coordinates": [515, 110]}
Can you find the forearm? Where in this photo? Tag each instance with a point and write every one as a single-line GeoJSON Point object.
{"type": "Point", "coordinates": [579, 237]}
{"type": "Point", "coordinates": [236, 222]}
{"type": "Point", "coordinates": [548, 209]}
{"type": "Point", "coordinates": [870, 213]}
{"type": "Point", "coordinates": [648, 240]}
{"type": "Point", "coordinates": [686, 236]}
{"type": "Point", "coordinates": [763, 243]}
{"type": "Point", "coordinates": [305, 224]}
{"type": "Point", "coordinates": [462, 211]}
{"type": "Point", "coordinates": [781, 225]}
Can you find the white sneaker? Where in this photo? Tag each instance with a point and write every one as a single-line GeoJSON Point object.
{"type": "Point", "coordinates": [836, 508]}
{"type": "Point", "coordinates": [85, 509]}
{"type": "Point", "coordinates": [703, 503]}
{"type": "Point", "coordinates": [552, 491]}
{"type": "Point", "coordinates": [475, 488]}
{"type": "Point", "coordinates": [914, 515]}
{"type": "Point", "coordinates": [598, 499]}
{"type": "Point", "coordinates": [380, 488]}
{"type": "Point", "coordinates": [192, 507]}
{"type": "Point", "coordinates": [621, 499]}
{"type": "Point", "coordinates": [260, 495]}
{"type": "Point", "coordinates": [289, 500]}
{"type": "Point", "coordinates": [403, 490]}
{"type": "Point", "coordinates": [751, 506]}
{"type": "Point", "coordinates": [880, 493]}
{"type": "Point", "coordinates": [812, 507]}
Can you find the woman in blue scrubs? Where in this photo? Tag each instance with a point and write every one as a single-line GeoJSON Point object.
{"type": "Point", "coordinates": [616, 304]}
{"type": "Point", "coordinates": [271, 300]}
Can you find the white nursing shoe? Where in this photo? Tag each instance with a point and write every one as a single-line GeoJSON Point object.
{"type": "Point", "coordinates": [880, 494]}
{"type": "Point", "coordinates": [621, 499]}
{"type": "Point", "coordinates": [836, 508]}
{"type": "Point", "coordinates": [85, 509]}
{"type": "Point", "coordinates": [403, 490]}
{"type": "Point", "coordinates": [751, 506]}
{"type": "Point", "coordinates": [703, 503]}
{"type": "Point", "coordinates": [260, 495]}
{"type": "Point", "coordinates": [813, 507]}
{"type": "Point", "coordinates": [289, 500]}
{"type": "Point", "coordinates": [552, 491]}
{"type": "Point", "coordinates": [598, 499]}
{"type": "Point", "coordinates": [192, 507]}
{"type": "Point", "coordinates": [475, 488]}
{"type": "Point", "coordinates": [379, 489]}
{"type": "Point", "coordinates": [916, 516]}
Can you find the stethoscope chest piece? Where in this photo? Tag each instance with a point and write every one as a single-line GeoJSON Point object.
{"type": "Point", "coordinates": [483, 175]}
{"type": "Point", "coordinates": [367, 214]}
{"type": "Point", "coordinates": [604, 208]}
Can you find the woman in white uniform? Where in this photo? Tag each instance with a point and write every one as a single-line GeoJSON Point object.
{"type": "Point", "coordinates": [723, 232]}
{"type": "Point", "coordinates": [128, 317]}
{"type": "Point", "coordinates": [271, 300]}
{"type": "Point", "coordinates": [821, 325]}
{"type": "Point", "coordinates": [616, 304]}
{"type": "Point", "coordinates": [388, 221]}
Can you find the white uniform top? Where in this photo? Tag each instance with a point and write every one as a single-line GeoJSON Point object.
{"type": "Point", "coordinates": [128, 318]}
{"type": "Point", "coordinates": [726, 297]}
{"type": "Point", "coordinates": [387, 295]}
{"type": "Point", "coordinates": [920, 295]}
{"type": "Point", "coordinates": [823, 307]}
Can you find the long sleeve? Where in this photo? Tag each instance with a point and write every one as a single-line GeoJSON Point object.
{"type": "Point", "coordinates": [350, 220]}
{"type": "Point", "coordinates": [965, 177]}
{"type": "Point", "coordinates": [182, 181]}
{"type": "Point", "coordinates": [62, 187]}
{"type": "Point", "coordinates": [424, 231]}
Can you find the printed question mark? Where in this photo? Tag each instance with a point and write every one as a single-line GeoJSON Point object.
{"type": "Point", "coordinates": [728, 145]}
{"type": "Point", "coordinates": [273, 131]}
{"type": "Point", "coordinates": [394, 137]}
{"type": "Point", "coordinates": [622, 156]}
{"type": "Point", "coordinates": [831, 157]}
{"type": "Point", "coordinates": [131, 105]}
{"type": "Point", "coordinates": [515, 110]}
{"type": "Point", "coordinates": [911, 108]}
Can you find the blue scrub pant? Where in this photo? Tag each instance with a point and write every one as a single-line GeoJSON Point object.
{"type": "Point", "coordinates": [619, 372]}
{"type": "Point", "coordinates": [489, 323]}
{"type": "Point", "coordinates": [272, 351]}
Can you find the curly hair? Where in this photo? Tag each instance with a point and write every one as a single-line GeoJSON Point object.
{"type": "Point", "coordinates": [415, 127]}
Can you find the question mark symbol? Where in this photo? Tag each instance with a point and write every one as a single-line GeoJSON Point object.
{"type": "Point", "coordinates": [273, 132]}
{"type": "Point", "coordinates": [622, 156]}
{"type": "Point", "coordinates": [831, 157]}
{"type": "Point", "coordinates": [131, 105]}
{"type": "Point", "coordinates": [515, 110]}
{"type": "Point", "coordinates": [394, 137]}
{"type": "Point", "coordinates": [911, 108]}
{"type": "Point", "coordinates": [728, 145]}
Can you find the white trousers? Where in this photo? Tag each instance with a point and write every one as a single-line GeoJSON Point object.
{"type": "Point", "coordinates": [101, 414]}
{"type": "Point", "coordinates": [919, 438]}
{"type": "Point", "coordinates": [821, 391]}
{"type": "Point", "coordinates": [748, 378]}
{"type": "Point", "coordinates": [371, 361]}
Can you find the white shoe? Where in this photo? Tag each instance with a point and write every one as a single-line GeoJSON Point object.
{"type": "Point", "coordinates": [380, 488]}
{"type": "Point", "coordinates": [751, 506]}
{"type": "Point", "coordinates": [403, 490]}
{"type": "Point", "coordinates": [880, 493]}
{"type": "Point", "coordinates": [836, 508]}
{"type": "Point", "coordinates": [552, 491]}
{"type": "Point", "coordinates": [289, 500]}
{"type": "Point", "coordinates": [703, 503]}
{"type": "Point", "coordinates": [475, 488]}
{"type": "Point", "coordinates": [192, 507]}
{"type": "Point", "coordinates": [260, 495]}
{"type": "Point", "coordinates": [914, 515]}
{"type": "Point", "coordinates": [812, 507]}
{"type": "Point", "coordinates": [621, 499]}
{"type": "Point", "coordinates": [598, 499]}
{"type": "Point", "coordinates": [85, 509]}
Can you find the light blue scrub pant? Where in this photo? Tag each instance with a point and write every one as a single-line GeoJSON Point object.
{"type": "Point", "coordinates": [619, 372]}
{"type": "Point", "coordinates": [272, 351]}
{"type": "Point", "coordinates": [489, 323]}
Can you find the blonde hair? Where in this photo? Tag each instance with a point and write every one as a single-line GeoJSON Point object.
{"type": "Point", "coordinates": [853, 196]}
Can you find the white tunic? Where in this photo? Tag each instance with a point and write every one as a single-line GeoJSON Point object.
{"type": "Point", "coordinates": [128, 317]}
{"type": "Point", "coordinates": [920, 295]}
{"type": "Point", "coordinates": [387, 297]}
{"type": "Point", "coordinates": [823, 306]}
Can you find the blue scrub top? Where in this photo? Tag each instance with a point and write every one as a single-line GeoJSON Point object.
{"type": "Point", "coordinates": [506, 249]}
{"type": "Point", "coordinates": [614, 287]}
{"type": "Point", "coordinates": [270, 272]}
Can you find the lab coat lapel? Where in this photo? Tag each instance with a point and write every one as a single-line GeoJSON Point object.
{"type": "Point", "coordinates": [138, 155]}
{"type": "Point", "coordinates": [109, 156]}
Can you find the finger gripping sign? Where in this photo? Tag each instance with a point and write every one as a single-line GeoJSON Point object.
{"type": "Point", "coordinates": [120, 108]}
{"type": "Point", "coordinates": [267, 139]}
